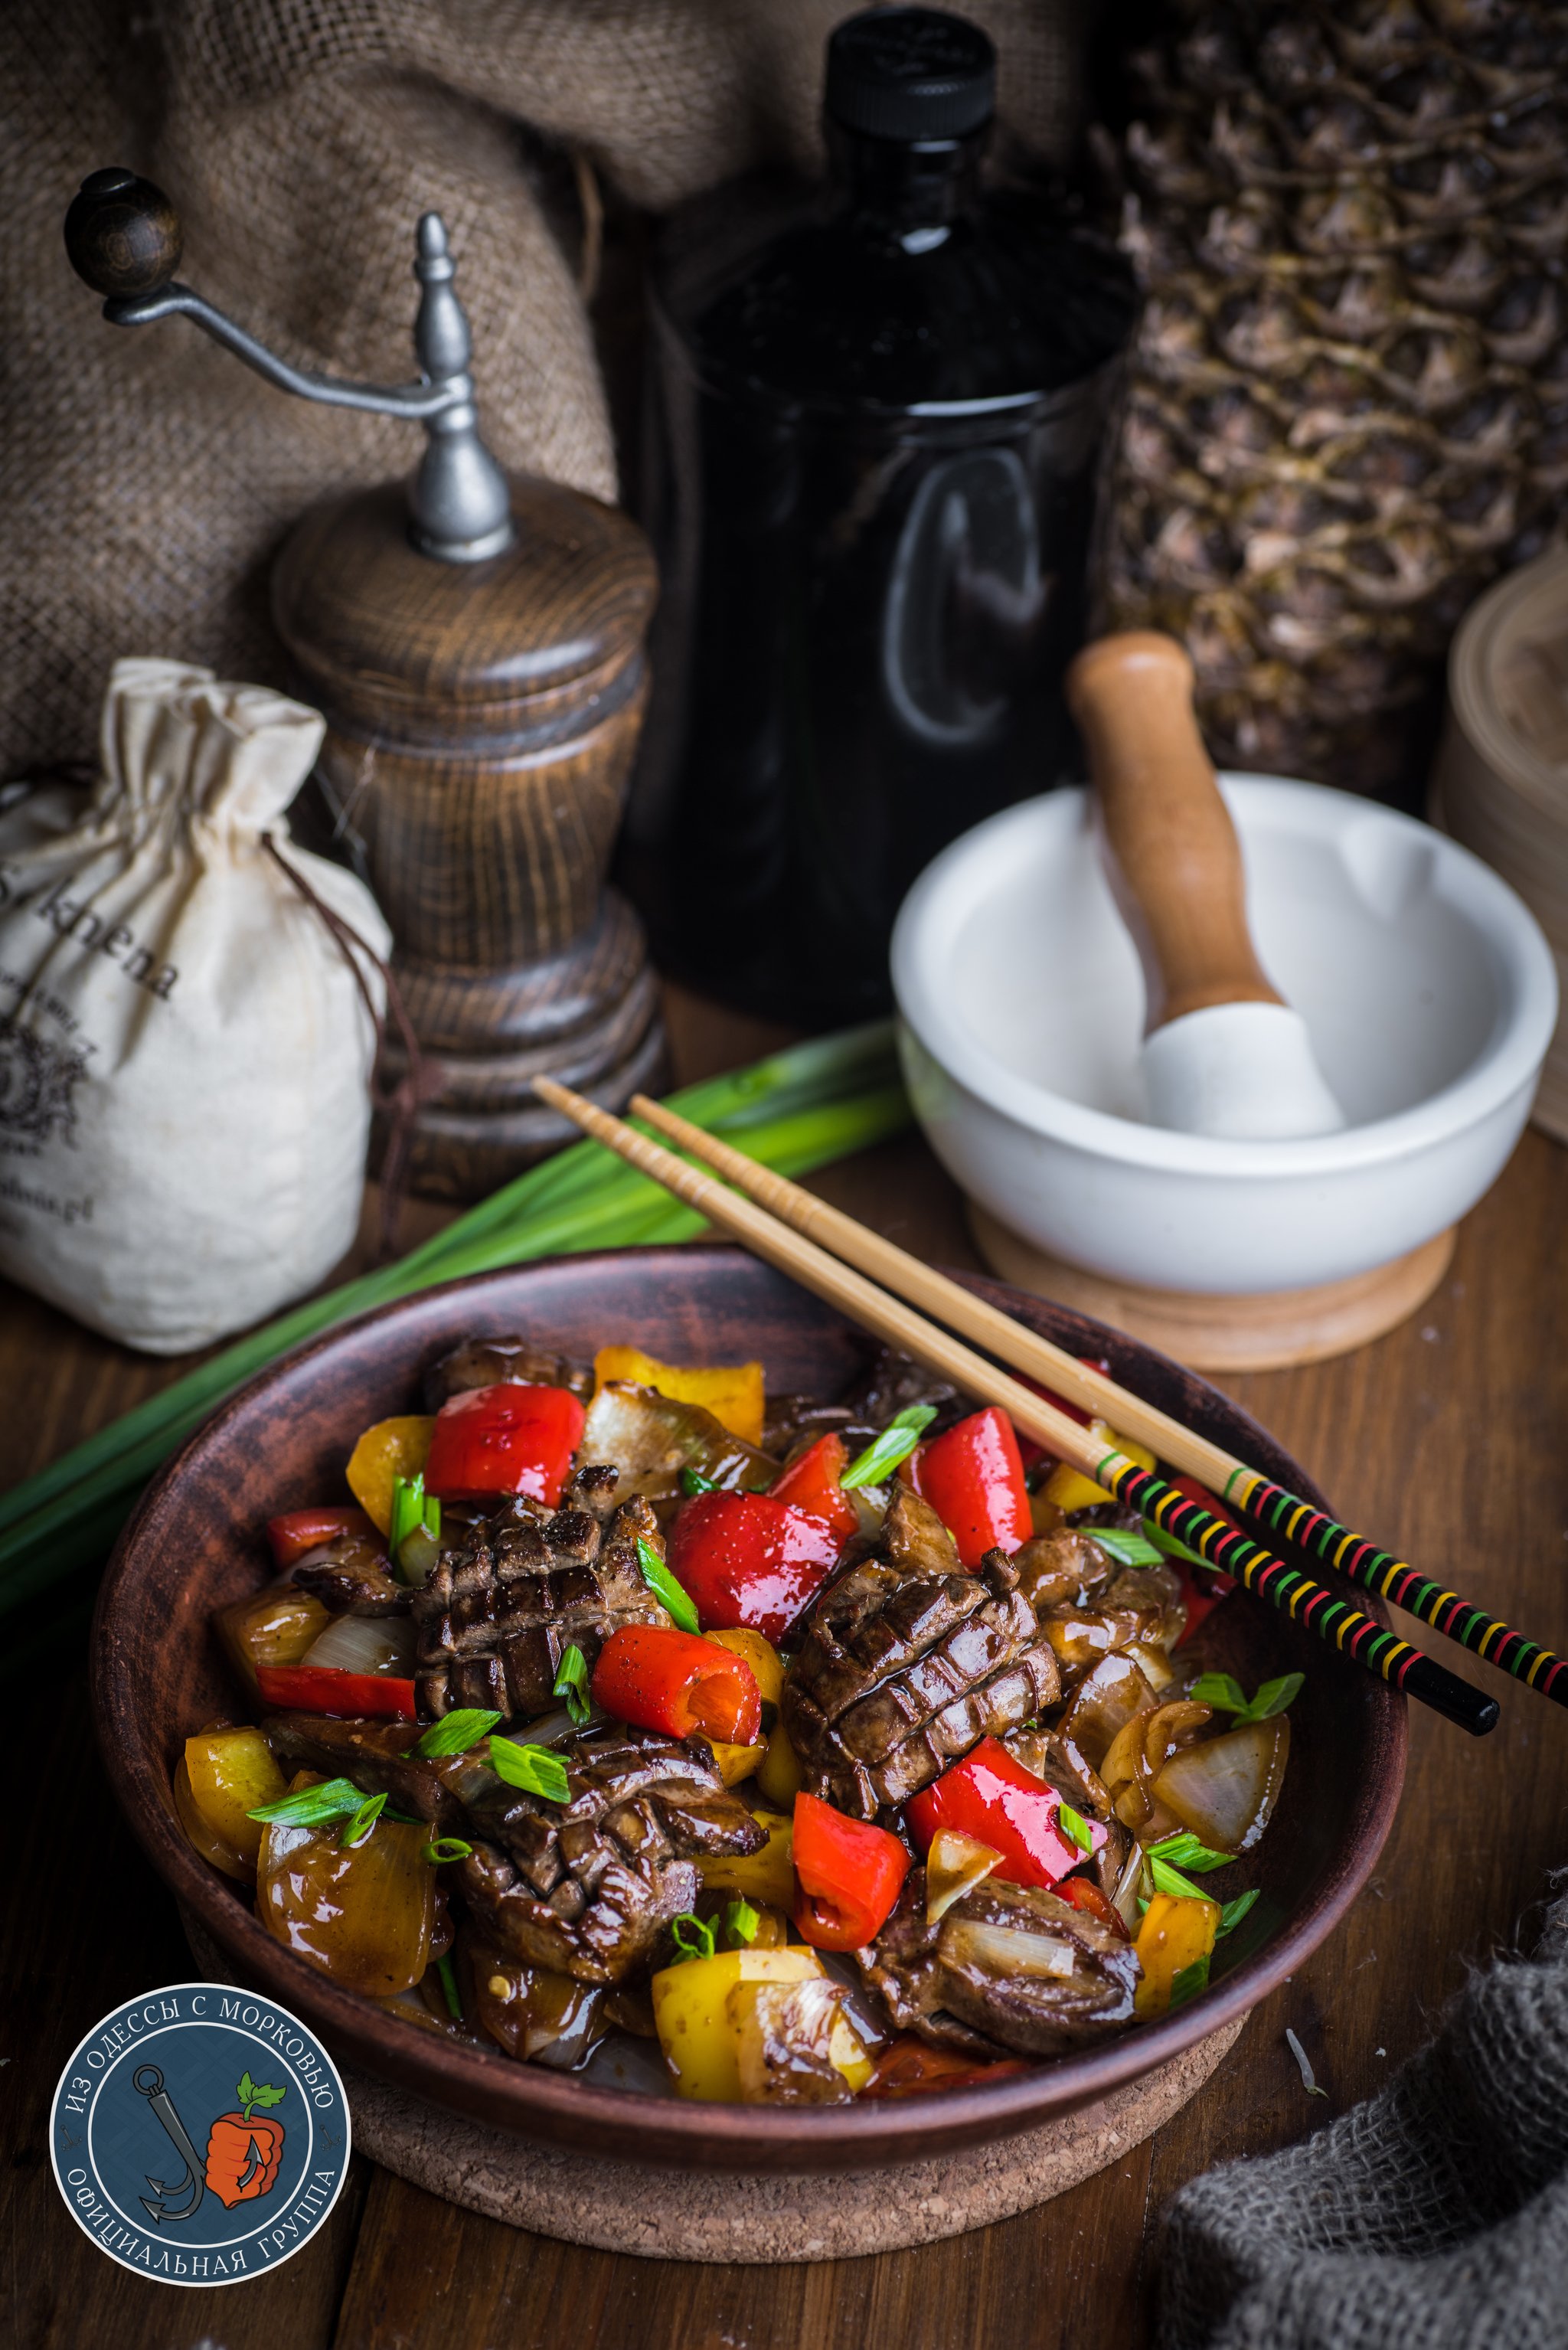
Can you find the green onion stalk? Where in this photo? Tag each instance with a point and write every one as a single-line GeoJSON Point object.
{"type": "Point", "coordinates": [794, 1111]}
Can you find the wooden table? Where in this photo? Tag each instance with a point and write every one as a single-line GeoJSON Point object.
{"type": "Point", "coordinates": [1447, 1439]}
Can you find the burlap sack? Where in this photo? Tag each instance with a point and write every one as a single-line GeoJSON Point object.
{"type": "Point", "coordinates": [146, 478]}
{"type": "Point", "coordinates": [184, 1050]}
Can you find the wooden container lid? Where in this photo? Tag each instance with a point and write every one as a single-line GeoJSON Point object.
{"type": "Point", "coordinates": [522, 650]}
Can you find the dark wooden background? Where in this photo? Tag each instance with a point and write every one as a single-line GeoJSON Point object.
{"type": "Point", "coordinates": [1446, 1440]}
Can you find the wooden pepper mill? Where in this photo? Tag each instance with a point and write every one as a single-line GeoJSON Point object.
{"type": "Point", "coordinates": [474, 641]}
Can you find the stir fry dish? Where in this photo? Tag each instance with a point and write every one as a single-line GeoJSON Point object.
{"type": "Point", "coordinates": [731, 1746]}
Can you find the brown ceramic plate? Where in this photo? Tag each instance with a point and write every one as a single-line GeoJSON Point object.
{"type": "Point", "coordinates": [196, 1542]}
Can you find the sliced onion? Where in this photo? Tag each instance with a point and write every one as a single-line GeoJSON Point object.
{"type": "Point", "coordinates": [1124, 1751]}
{"type": "Point", "coordinates": [366, 1644]}
{"type": "Point", "coordinates": [1005, 1950]}
{"type": "Point", "coordinates": [1225, 1788]}
{"type": "Point", "coordinates": [1109, 1698]}
{"type": "Point", "coordinates": [1129, 1883]}
{"type": "Point", "coordinates": [1172, 1726]}
{"type": "Point", "coordinates": [549, 1727]}
{"type": "Point", "coordinates": [953, 1865]}
{"type": "Point", "coordinates": [1153, 1664]}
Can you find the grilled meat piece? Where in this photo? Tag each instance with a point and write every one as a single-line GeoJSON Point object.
{"type": "Point", "coordinates": [348, 1574]}
{"type": "Point", "coordinates": [495, 1618]}
{"type": "Point", "coordinates": [585, 1887]}
{"type": "Point", "coordinates": [501, 1362]}
{"type": "Point", "coordinates": [908, 1661]}
{"type": "Point", "coordinates": [893, 1383]}
{"type": "Point", "coordinates": [1009, 1968]}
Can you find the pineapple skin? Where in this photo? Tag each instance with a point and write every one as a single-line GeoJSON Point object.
{"type": "Point", "coordinates": [1346, 404]}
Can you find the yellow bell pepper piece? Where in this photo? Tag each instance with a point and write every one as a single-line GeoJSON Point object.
{"type": "Point", "coordinates": [230, 1773]}
{"type": "Point", "coordinates": [731, 1392]}
{"type": "Point", "coordinates": [1071, 1490]}
{"type": "Point", "coordinates": [393, 1448]}
{"type": "Point", "coordinates": [767, 1877]}
{"type": "Point", "coordinates": [734, 1763]}
{"type": "Point", "coordinates": [779, 1774]}
{"type": "Point", "coordinates": [766, 1664]}
{"type": "Point", "coordinates": [1175, 1934]}
{"type": "Point", "coordinates": [698, 2038]}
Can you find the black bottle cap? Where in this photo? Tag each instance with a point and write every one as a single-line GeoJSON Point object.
{"type": "Point", "coordinates": [910, 73]}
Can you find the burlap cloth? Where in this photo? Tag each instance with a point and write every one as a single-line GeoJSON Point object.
{"type": "Point", "coordinates": [1433, 2217]}
{"type": "Point", "coordinates": [146, 478]}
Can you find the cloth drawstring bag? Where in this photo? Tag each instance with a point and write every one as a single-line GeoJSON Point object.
{"type": "Point", "coordinates": [186, 1050]}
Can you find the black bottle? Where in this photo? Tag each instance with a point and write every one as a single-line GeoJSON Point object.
{"type": "Point", "coordinates": [875, 411]}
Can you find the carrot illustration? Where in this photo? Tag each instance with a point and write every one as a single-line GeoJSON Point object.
{"type": "Point", "coordinates": [244, 2154]}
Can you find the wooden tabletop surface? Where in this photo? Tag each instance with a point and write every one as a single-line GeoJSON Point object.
{"type": "Point", "coordinates": [1446, 1440]}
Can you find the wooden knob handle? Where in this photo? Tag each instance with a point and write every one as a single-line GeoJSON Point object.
{"type": "Point", "coordinates": [122, 234]}
{"type": "Point", "coordinates": [1174, 861]}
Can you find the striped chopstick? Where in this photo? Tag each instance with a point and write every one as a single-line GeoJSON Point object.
{"type": "Point", "coordinates": [1371, 1644]}
{"type": "Point", "coordinates": [1285, 1517]}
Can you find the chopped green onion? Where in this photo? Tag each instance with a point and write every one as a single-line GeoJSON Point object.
{"type": "Point", "coordinates": [454, 1733]}
{"type": "Point", "coordinates": [1073, 1825]}
{"type": "Point", "coordinates": [896, 1444]}
{"type": "Point", "coordinates": [445, 1850]}
{"type": "Point", "coordinates": [1171, 1548]}
{"type": "Point", "coordinates": [1188, 1851]}
{"type": "Point", "coordinates": [363, 1821]}
{"type": "Point", "coordinates": [403, 1819]}
{"type": "Point", "coordinates": [693, 1482]}
{"type": "Point", "coordinates": [530, 1768]}
{"type": "Point", "coordinates": [1219, 1690]}
{"type": "Point", "coordinates": [1233, 1912]}
{"type": "Point", "coordinates": [663, 1585]}
{"type": "Point", "coordinates": [416, 1521]}
{"type": "Point", "coordinates": [1170, 1880]}
{"type": "Point", "coordinates": [740, 1923]}
{"type": "Point", "coordinates": [572, 1684]}
{"type": "Point", "coordinates": [1126, 1549]}
{"type": "Point", "coordinates": [702, 1944]}
{"type": "Point", "coordinates": [1188, 1983]}
{"type": "Point", "coordinates": [449, 1986]}
{"type": "Point", "coordinates": [312, 1807]}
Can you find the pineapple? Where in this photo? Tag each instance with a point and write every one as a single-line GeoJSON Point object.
{"type": "Point", "coordinates": [1348, 404]}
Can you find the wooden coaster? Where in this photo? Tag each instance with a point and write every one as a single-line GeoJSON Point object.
{"type": "Point", "coordinates": [729, 2216]}
{"type": "Point", "coordinates": [1262, 1332]}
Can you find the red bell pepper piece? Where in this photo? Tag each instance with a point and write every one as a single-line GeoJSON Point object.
{"type": "Point", "coordinates": [995, 1800]}
{"type": "Point", "coordinates": [909, 2066]}
{"type": "Point", "coordinates": [749, 1559]}
{"type": "Point", "coordinates": [512, 1439]}
{"type": "Point", "coordinates": [847, 1874]}
{"type": "Point", "coordinates": [1202, 1587]}
{"type": "Point", "coordinates": [1094, 1904]}
{"type": "Point", "coordinates": [318, 1688]}
{"type": "Point", "coordinates": [299, 1531]}
{"type": "Point", "coordinates": [673, 1681]}
{"type": "Point", "coordinates": [811, 1484]}
{"type": "Point", "coordinates": [973, 1478]}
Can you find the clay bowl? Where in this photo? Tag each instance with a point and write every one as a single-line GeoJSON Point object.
{"type": "Point", "coordinates": [196, 1543]}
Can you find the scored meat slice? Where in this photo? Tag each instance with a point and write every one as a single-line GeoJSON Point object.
{"type": "Point", "coordinates": [907, 1662]}
{"type": "Point", "coordinates": [588, 1887]}
{"type": "Point", "coordinates": [1008, 1969]}
{"type": "Point", "coordinates": [495, 1618]}
{"type": "Point", "coordinates": [585, 1888]}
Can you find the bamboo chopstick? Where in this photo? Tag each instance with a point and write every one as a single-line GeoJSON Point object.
{"type": "Point", "coordinates": [1373, 1646]}
{"type": "Point", "coordinates": [1285, 1516]}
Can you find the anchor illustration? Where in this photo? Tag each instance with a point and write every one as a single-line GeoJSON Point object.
{"type": "Point", "coordinates": [148, 2082]}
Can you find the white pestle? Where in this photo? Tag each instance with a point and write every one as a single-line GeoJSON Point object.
{"type": "Point", "coordinates": [1224, 1055]}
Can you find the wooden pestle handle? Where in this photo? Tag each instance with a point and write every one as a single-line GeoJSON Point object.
{"type": "Point", "coordinates": [1173, 856]}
